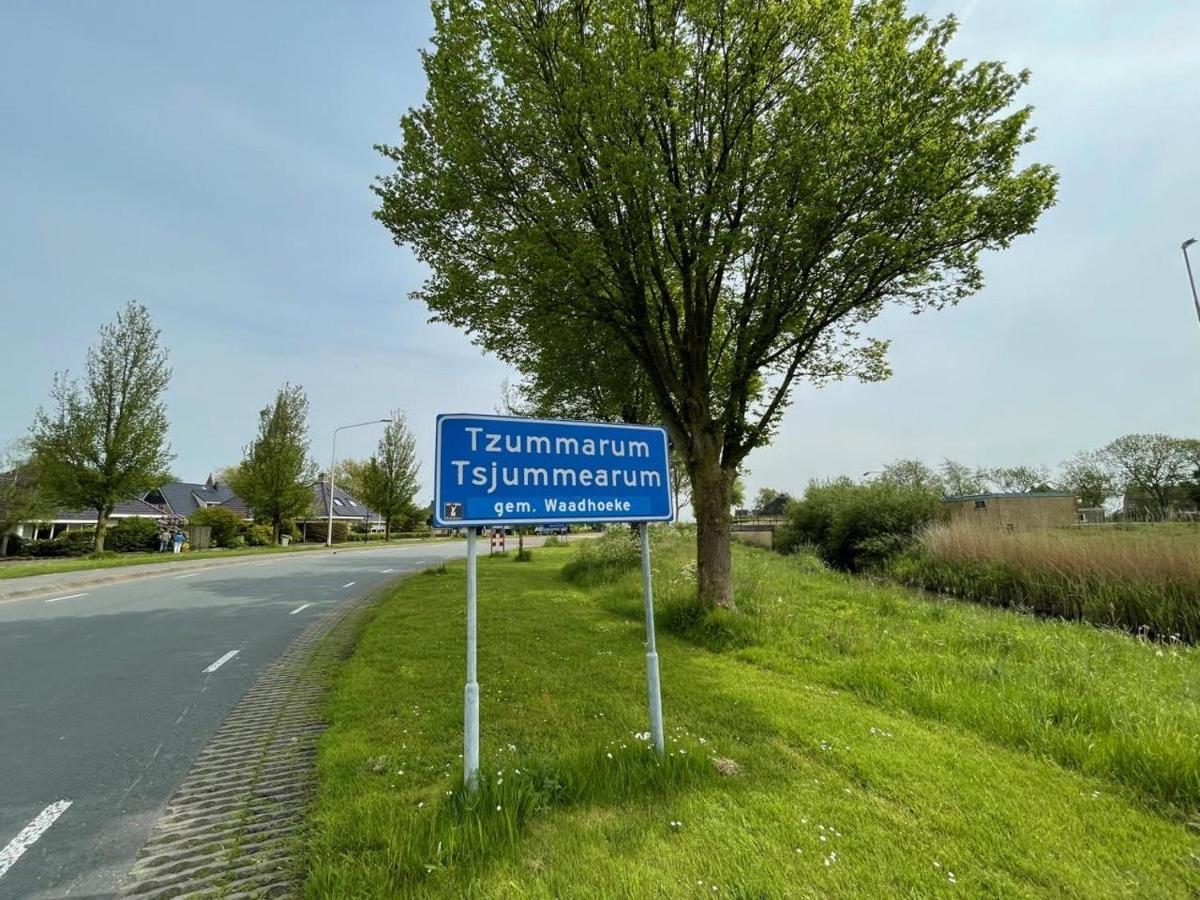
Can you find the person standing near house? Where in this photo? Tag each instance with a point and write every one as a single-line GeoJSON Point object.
{"type": "Point", "coordinates": [164, 538]}
{"type": "Point", "coordinates": [178, 540]}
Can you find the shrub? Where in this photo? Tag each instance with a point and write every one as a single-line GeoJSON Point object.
{"type": "Point", "coordinates": [132, 535]}
{"type": "Point", "coordinates": [315, 532]}
{"type": "Point", "coordinates": [237, 542]}
{"type": "Point", "coordinates": [857, 526]}
{"type": "Point", "coordinates": [224, 522]}
{"type": "Point", "coordinates": [524, 555]}
{"type": "Point", "coordinates": [552, 541]}
{"type": "Point", "coordinates": [602, 560]}
{"type": "Point", "coordinates": [17, 545]}
{"type": "Point", "coordinates": [69, 543]}
{"type": "Point", "coordinates": [259, 535]}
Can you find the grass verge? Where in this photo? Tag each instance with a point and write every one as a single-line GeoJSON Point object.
{"type": "Point", "coordinates": [850, 722]}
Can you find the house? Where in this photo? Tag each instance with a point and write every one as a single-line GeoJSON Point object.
{"type": "Point", "coordinates": [181, 498]}
{"type": "Point", "coordinates": [1037, 509]}
{"type": "Point", "coordinates": [346, 509]}
{"type": "Point", "coordinates": [64, 520]}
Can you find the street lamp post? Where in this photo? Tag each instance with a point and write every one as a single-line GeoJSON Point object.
{"type": "Point", "coordinates": [332, 465]}
{"type": "Point", "coordinates": [1187, 262]}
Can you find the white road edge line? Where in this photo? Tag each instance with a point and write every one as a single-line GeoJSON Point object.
{"type": "Point", "coordinates": [188, 575]}
{"type": "Point", "coordinates": [299, 609]}
{"type": "Point", "coordinates": [349, 584]}
{"type": "Point", "coordinates": [220, 662]}
{"type": "Point", "coordinates": [388, 571]}
{"type": "Point", "coordinates": [30, 833]}
{"type": "Point", "coordinates": [68, 597]}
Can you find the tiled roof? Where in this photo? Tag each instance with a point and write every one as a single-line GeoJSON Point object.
{"type": "Point", "coordinates": [124, 508]}
{"type": "Point", "coordinates": [1034, 495]}
{"type": "Point", "coordinates": [348, 508]}
{"type": "Point", "coordinates": [184, 498]}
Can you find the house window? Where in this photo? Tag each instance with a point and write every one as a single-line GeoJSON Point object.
{"type": "Point", "coordinates": [981, 504]}
{"type": "Point", "coordinates": [337, 502]}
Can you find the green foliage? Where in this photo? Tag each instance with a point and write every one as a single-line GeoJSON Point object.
{"type": "Point", "coordinates": [226, 525]}
{"type": "Point", "coordinates": [857, 711]}
{"type": "Point", "coordinates": [134, 535]}
{"type": "Point", "coordinates": [316, 532]}
{"type": "Point", "coordinates": [612, 555]}
{"type": "Point", "coordinates": [553, 541]}
{"type": "Point", "coordinates": [105, 440]}
{"type": "Point", "coordinates": [1086, 476]}
{"type": "Point", "coordinates": [857, 526]}
{"type": "Point", "coordinates": [21, 500]}
{"type": "Point", "coordinates": [390, 478]}
{"type": "Point", "coordinates": [274, 476]}
{"type": "Point", "coordinates": [1151, 467]}
{"type": "Point", "coordinates": [69, 543]}
{"type": "Point", "coordinates": [350, 475]}
{"type": "Point", "coordinates": [259, 535]}
{"type": "Point", "coordinates": [523, 555]}
{"type": "Point", "coordinates": [726, 193]}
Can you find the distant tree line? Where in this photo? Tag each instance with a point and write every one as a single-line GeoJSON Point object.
{"type": "Point", "coordinates": [1152, 473]}
{"type": "Point", "coordinates": [103, 440]}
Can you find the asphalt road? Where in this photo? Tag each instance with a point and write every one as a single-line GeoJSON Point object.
{"type": "Point", "coordinates": [107, 698]}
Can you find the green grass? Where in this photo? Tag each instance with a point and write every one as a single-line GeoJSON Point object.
{"type": "Point", "coordinates": [25, 567]}
{"type": "Point", "coordinates": [917, 737]}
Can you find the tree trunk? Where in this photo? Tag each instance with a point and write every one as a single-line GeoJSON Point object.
{"type": "Point", "coordinates": [712, 488]}
{"type": "Point", "coordinates": [387, 530]}
{"type": "Point", "coordinates": [101, 529]}
{"type": "Point", "coordinates": [278, 527]}
{"type": "Point", "coordinates": [4, 544]}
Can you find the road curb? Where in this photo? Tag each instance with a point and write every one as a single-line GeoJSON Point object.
{"type": "Point", "coordinates": [231, 828]}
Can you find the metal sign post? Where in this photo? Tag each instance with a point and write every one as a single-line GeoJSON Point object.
{"type": "Point", "coordinates": [471, 691]}
{"type": "Point", "coordinates": [499, 471]}
{"type": "Point", "coordinates": [656, 720]}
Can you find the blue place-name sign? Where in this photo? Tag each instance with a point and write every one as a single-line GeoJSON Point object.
{"type": "Point", "coordinates": [493, 470]}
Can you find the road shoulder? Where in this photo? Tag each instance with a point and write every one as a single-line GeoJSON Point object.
{"type": "Point", "coordinates": [230, 828]}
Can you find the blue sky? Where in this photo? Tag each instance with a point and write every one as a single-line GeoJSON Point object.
{"type": "Point", "coordinates": [214, 160]}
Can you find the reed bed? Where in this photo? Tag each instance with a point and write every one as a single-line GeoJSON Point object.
{"type": "Point", "coordinates": [1145, 580]}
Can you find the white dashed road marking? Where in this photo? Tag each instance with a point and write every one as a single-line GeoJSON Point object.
{"type": "Point", "coordinates": [349, 584]}
{"type": "Point", "coordinates": [30, 833]}
{"type": "Point", "coordinates": [220, 662]}
{"type": "Point", "coordinates": [68, 597]}
{"type": "Point", "coordinates": [189, 575]}
{"type": "Point", "coordinates": [388, 571]}
{"type": "Point", "coordinates": [300, 608]}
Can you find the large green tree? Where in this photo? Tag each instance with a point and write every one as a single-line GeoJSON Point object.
{"type": "Point", "coordinates": [105, 440]}
{"type": "Point", "coordinates": [275, 474]}
{"type": "Point", "coordinates": [350, 475]}
{"type": "Point", "coordinates": [1151, 469]}
{"type": "Point", "coordinates": [1089, 478]}
{"type": "Point", "coordinates": [727, 191]}
{"type": "Point", "coordinates": [390, 479]}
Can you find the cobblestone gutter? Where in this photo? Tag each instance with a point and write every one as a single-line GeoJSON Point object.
{"type": "Point", "coordinates": [231, 828]}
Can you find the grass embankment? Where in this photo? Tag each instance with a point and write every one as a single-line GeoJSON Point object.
{"type": "Point", "coordinates": [886, 743]}
{"type": "Point", "coordinates": [1144, 579]}
{"type": "Point", "coordinates": [26, 567]}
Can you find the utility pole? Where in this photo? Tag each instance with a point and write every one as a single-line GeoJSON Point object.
{"type": "Point", "coordinates": [332, 465]}
{"type": "Point", "coordinates": [1191, 279]}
